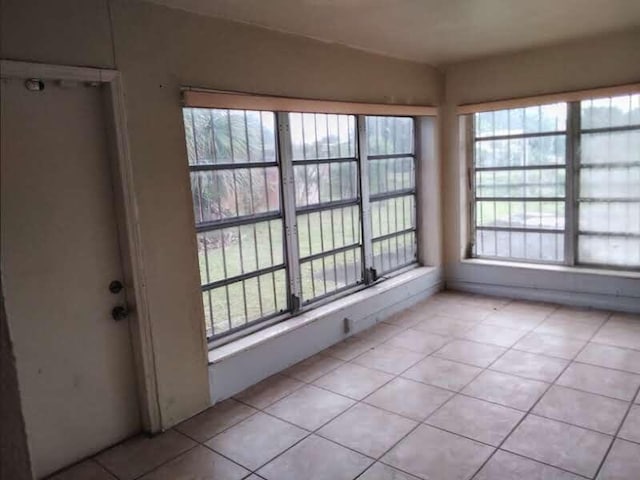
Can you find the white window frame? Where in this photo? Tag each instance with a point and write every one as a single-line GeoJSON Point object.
{"type": "Point", "coordinates": [198, 98]}
{"type": "Point", "coordinates": [572, 200]}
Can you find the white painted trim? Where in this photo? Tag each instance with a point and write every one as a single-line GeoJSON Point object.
{"type": "Point", "coordinates": [606, 289]}
{"type": "Point", "coordinates": [142, 337]}
{"type": "Point", "coordinates": [367, 294]}
{"type": "Point", "coordinates": [562, 297]}
{"type": "Point", "coordinates": [232, 372]}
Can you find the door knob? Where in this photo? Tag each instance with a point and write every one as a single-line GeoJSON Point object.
{"type": "Point", "coordinates": [116, 286]}
{"type": "Point", "coordinates": [119, 313]}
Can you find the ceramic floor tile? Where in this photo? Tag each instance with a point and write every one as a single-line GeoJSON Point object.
{"type": "Point", "coordinates": [445, 326]}
{"type": "Point", "coordinates": [565, 446]}
{"type": "Point", "coordinates": [600, 380]}
{"type": "Point", "coordinates": [514, 321]}
{"type": "Point", "coordinates": [530, 365]}
{"type": "Point", "coordinates": [476, 419]}
{"type": "Point", "coordinates": [583, 409]}
{"type": "Point", "coordinates": [580, 314]}
{"type": "Point", "coordinates": [388, 359]}
{"type": "Point", "coordinates": [87, 470]}
{"type": "Point", "coordinates": [200, 463]}
{"type": "Point", "coordinates": [367, 429]}
{"type": "Point", "coordinates": [408, 398]}
{"type": "Point", "coordinates": [631, 427]}
{"type": "Point", "coordinates": [611, 357]}
{"type": "Point", "coordinates": [142, 454]}
{"type": "Point", "coordinates": [563, 327]}
{"type": "Point", "coordinates": [448, 457]}
{"type": "Point", "coordinates": [256, 440]}
{"type": "Point", "coordinates": [500, 336]}
{"type": "Point", "coordinates": [464, 311]}
{"type": "Point", "coordinates": [442, 373]}
{"type": "Point", "coordinates": [268, 391]}
{"type": "Point", "coordinates": [407, 318]}
{"type": "Point", "coordinates": [310, 407]}
{"type": "Point", "coordinates": [418, 341]}
{"type": "Point", "coordinates": [316, 459]}
{"type": "Point", "coordinates": [215, 419]}
{"type": "Point", "coordinates": [472, 353]}
{"type": "Point", "coordinates": [530, 308]}
{"type": "Point", "coordinates": [507, 466]}
{"type": "Point", "coordinates": [312, 368]}
{"type": "Point", "coordinates": [507, 390]}
{"type": "Point", "coordinates": [380, 471]}
{"type": "Point", "coordinates": [348, 349]}
{"type": "Point", "coordinates": [622, 463]}
{"type": "Point", "coordinates": [353, 381]}
{"type": "Point", "coordinates": [620, 331]}
{"type": "Point", "coordinates": [552, 345]}
{"type": "Point", "coordinates": [379, 332]}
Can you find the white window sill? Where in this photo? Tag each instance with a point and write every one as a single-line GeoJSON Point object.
{"type": "Point", "coordinates": [252, 340]}
{"type": "Point", "coordinates": [553, 268]}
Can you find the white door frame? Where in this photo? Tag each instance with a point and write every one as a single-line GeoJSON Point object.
{"type": "Point", "coordinates": [127, 218]}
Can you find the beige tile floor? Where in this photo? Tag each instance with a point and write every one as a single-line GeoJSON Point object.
{"type": "Point", "coordinates": [458, 387]}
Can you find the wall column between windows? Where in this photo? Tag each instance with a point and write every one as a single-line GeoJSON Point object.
{"type": "Point", "coordinates": [289, 211]}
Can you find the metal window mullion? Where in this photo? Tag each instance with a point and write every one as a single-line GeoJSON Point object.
{"type": "Point", "coordinates": [289, 213]}
{"type": "Point", "coordinates": [365, 204]}
{"type": "Point", "coordinates": [572, 184]}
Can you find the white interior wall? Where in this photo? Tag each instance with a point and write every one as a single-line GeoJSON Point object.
{"type": "Point", "coordinates": [599, 62]}
{"type": "Point", "coordinates": [158, 50]}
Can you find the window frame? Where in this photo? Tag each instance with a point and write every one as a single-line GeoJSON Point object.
{"type": "Point", "coordinates": [573, 166]}
{"type": "Point", "coordinates": [288, 213]}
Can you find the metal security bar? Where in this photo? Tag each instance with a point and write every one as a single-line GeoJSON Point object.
{"type": "Point", "coordinates": [235, 182]}
{"type": "Point", "coordinates": [324, 162]}
{"type": "Point", "coordinates": [391, 165]}
{"type": "Point", "coordinates": [519, 176]}
{"type": "Point", "coordinates": [608, 182]}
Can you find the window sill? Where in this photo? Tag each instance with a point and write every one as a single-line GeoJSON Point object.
{"type": "Point", "coordinates": [553, 268]}
{"type": "Point", "coordinates": [252, 340]}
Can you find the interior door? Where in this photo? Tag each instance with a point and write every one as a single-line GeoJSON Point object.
{"type": "Point", "coordinates": [59, 255]}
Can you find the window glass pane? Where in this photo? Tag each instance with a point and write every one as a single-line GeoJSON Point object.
{"type": "Point", "coordinates": [229, 136]}
{"type": "Point", "coordinates": [327, 230]}
{"type": "Point", "coordinates": [607, 250]}
{"type": "Point", "coordinates": [610, 217]}
{"type": "Point", "coordinates": [516, 152]}
{"type": "Point", "coordinates": [389, 135]}
{"type": "Point", "coordinates": [611, 112]}
{"type": "Point", "coordinates": [391, 174]}
{"type": "Point", "coordinates": [533, 246]}
{"type": "Point", "coordinates": [520, 183]}
{"type": "Point", "coordinates": [322, 136]}
{"type": "Point", "coordinates": [612, 182]}
{"type": "Point", "coordinates": [519, 214]}
{"type": "Point", "coordinates": [394, 252]}
{"type": "Point", "coordinates": [606, 147]}
{"type": "Point", "coordinates": [518, 121]}
{"type": "Point", "coordinates": [227, 252]}
{"type": "Point", "coordinates": [225, 194]}
{"type": "Point", "coordinates": [325, 182]}
{"type": "Point", "coordinates": [329, 273]}
{"type": "Point", "coordinates": [392, 215]}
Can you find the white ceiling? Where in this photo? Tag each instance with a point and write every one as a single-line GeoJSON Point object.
{"type": "Point", "coordinates": [429, 31]}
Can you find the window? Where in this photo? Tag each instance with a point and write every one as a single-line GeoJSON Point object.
{"type": "Point", "coordinates": [559, 183]}
{"type": "Point", "coordinates": [280, 201]}
{"type": "Point", "coordinates": [390, 148]}
{"type": "Point", "coordinates": [609, 185]}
